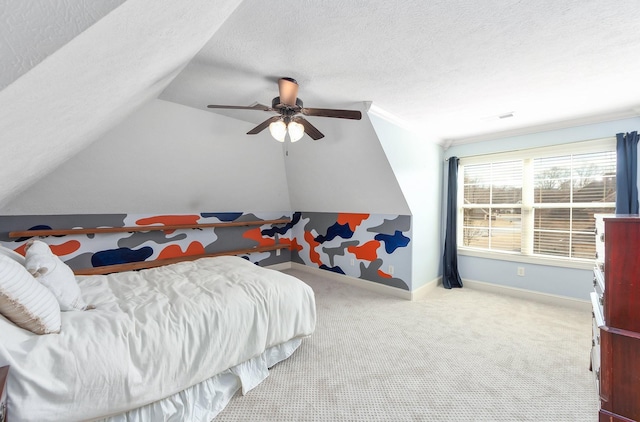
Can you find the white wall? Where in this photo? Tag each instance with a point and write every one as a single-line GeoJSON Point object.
{"type": "Point", "coordinates": [165, 158]}
{"type": "Point", "coordinates": [570, 282]}
{"type": "Point", "coordinates": [346, 171]}
{"type": "Point", "coordinates": [416, 162]}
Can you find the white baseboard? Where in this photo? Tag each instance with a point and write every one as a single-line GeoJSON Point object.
{"type": "Point", "coordinates": [281, 266]}
{"type": "Point", "coordinates": [357, 282]}
{"type": "Point", "coordinates": [547, 298]}
{"type": "Point", "coordinates": [424, 291]}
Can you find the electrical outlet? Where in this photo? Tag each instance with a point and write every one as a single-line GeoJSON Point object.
{"type": "Point", "coordinates": [352, 262]}
{"type": "Point", "coordinates": [521, 271]}
{"type": "Point", "coordinates": [277, 252]}
{"type": "Point", "coordinates": [391, 269]}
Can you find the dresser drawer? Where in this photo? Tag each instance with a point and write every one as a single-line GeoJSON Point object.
{"type": "Point", "coordinates": [599, 252]}
{"type": "Point", "coordinates": [599, 288]}
{"type": "Point", "coordinates": [595, 354]}
{"type": "Point", "coordinates": [600, 236]}
{"type": "Point", "coordinates": [597, 321]}
{"type": "Point", "coordinates": [597, 310]}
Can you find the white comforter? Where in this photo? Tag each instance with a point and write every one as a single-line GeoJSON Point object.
{"type": "Point", "coordinates": [153, 333]}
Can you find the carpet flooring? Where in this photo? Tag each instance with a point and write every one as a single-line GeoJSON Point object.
{"type": "Point", "coordinates": [458, 355]}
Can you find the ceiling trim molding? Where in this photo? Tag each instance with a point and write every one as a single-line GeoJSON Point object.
{"type": "Point", "coordinates": [388, 116]}
{"type": "Point", "coordinates": [582, 121]}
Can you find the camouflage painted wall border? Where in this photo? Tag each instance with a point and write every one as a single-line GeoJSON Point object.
{"type": "Point", "coordinates": [94, 250]}
{"type": "Point", "coordinates": [373, 247]}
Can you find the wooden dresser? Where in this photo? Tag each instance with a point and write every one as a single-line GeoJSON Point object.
{"type": "Point", "coordinates": [615, 356]}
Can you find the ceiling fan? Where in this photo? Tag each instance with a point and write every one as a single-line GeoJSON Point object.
{"type": "Point", "coordinates": [289, 108]}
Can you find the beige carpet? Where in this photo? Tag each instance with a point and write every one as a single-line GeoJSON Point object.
{"type": "Point", "coordinates": [459, 355]}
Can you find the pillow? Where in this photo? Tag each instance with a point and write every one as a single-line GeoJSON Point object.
{"type": "Point", "coordinates": [12, 334]}
{"type": "Point", "coordinates": [12, 254]}
{"type": "Point", "coordinates": [55, 275]}
{"type": "Point", "coordinates": [25, 302]}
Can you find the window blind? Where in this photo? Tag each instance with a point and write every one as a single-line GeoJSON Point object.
{"type": "Point", "coordinates": [537, 205]}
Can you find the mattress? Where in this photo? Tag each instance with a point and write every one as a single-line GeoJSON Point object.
{"type": "Point", "coordinates": [153, 333]}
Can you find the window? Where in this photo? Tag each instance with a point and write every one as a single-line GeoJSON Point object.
{"type": "Point", "coordinates": [538, 202]}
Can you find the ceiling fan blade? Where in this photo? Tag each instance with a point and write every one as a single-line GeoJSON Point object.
{"type": "Point", "coordinates": [309, 129]}
{"type": "Point", "coordinates": [262, 126]}
{"type": "Point", "coordinates": [251, 107]}
{"type": "Point", "coordinates": [288, 88]}
{"type": "Point", "coordinates": [330, 112]}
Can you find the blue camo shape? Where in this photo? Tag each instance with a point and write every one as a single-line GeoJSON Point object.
{"type": "Point", "coordinates": [39, 227]}
{"type": "Point", "coordinates": [222, 216]}
{"type": "Point", "coordinates": [335, 269]}
{"type": "Point", "coordinates": [392, 242]}
{"type": "Point", "coordinates": [120, 256]}
{"type": "Point", "coordinates": [282, 230]}
{"type": "Point", "coordinates": [342, 230]}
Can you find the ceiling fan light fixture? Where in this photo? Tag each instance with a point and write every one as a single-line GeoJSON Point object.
{"type": "Point", "coordinates": [290, 114]}
{"type": "Point", "coordinates": [278, 130]}
{"type": "Point", "coordinates": [296, 131]}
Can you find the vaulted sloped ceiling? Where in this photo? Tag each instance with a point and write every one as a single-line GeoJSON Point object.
{"type": "Point", "coordinates": [72, 69]}
{"type": "Point", "coordinates": [78, 92]}
{"type": "Point", "coordinates": [32, 30]}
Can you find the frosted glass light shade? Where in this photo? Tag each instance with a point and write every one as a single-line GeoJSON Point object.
{"type": "Point", "coordinates": [296, 131]}
{"type": "Point", "coordinates": [278, 130]}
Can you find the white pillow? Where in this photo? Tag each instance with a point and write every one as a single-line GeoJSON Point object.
{"type": "Point", "coordinates": [12, 254]}
{"type": "Point", "coordinates": [25, 302]}
{"type": "Point", "coordinates": [12, 334]}
{"type": "Point", "coordinates": [55, 275]}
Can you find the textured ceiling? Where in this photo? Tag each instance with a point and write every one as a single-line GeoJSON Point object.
{"type": "Point", "coordinates": [71, 69]}
{"type": "Point", "coordinates": [95, 80]}
{"type": "Point", "coordinates": [447, 68]}
{"type": "Point", "coordinates": [31, 30]}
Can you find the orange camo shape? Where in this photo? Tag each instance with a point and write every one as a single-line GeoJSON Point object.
{"type": "Point", "coordinates": [174, 251]}
{"type": "Point", "coordinates": [367, 251]}
{"type": "Point", "coordinates": [354, 220]}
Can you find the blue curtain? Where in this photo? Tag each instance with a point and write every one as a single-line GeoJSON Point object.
{"type": "Point", "coordinates": [450, 274]}
{"type": "Point", "coordinates": [626, 174]}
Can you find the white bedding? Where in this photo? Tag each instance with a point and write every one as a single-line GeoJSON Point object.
{"type": "Point", "coordinates": [153, 333]}
{"type": "Point", "coordinates": [202, 402]}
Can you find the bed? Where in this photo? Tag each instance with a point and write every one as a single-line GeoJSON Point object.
{"type": "Point", "coordinates": [168, 343]}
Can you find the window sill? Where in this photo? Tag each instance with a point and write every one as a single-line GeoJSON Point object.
{"type": "Point", "coordinates": [537, 260]}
